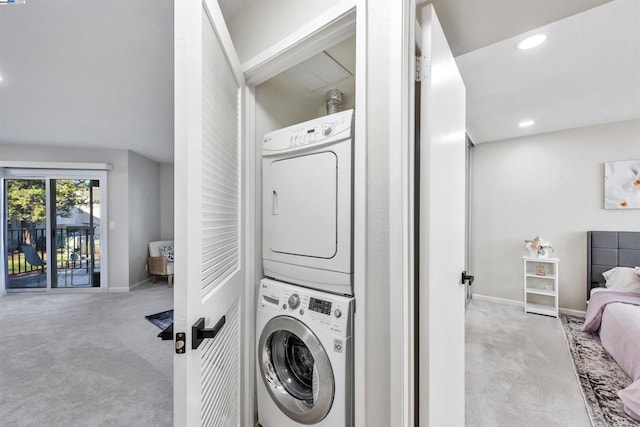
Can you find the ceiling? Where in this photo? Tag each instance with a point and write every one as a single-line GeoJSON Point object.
{"type": "Point", "coordinates": [472, 24]}
{"type": "Point", "coordinates": [99, 73]}
{"type": "Point", "coordinates": [88, 73]}
{"type": "Point", "coordinates": [586, 73]}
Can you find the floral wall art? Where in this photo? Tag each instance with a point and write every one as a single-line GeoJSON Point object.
{"type": "Point", "coordinates": [622, 184]}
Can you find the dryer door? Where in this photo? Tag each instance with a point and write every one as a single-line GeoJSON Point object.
{"type": "Point", "coordinates": [304, 198]}
{"type": "Point", "coordinates": [296, 370]}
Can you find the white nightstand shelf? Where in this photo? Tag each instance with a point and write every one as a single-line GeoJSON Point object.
{"type": "Point", "coordinates": [541, 285]}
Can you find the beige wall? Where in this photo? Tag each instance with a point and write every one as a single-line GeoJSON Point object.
{"type": "Point", "coordinates": [550, 185]}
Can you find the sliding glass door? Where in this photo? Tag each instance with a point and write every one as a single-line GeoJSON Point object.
{"type": "Point", "coordinates": [76, 232]}
{"type": "Point", "coordinates": [26, 235]}
{"type": "Point", "coordinates": [53, 234]}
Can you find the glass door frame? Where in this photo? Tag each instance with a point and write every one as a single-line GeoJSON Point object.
{"type": "Point", "coordinates": [3, 225]}
{"type": "Point", "coordinates": [48, 175]}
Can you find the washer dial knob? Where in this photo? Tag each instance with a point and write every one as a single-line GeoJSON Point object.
{"type": "Point", "coordinates": [337, 313]}
{"type": "Point", "coordinates": [294, 301]}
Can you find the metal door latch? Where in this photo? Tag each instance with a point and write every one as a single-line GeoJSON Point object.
{"type": "Point", "coordinates": [181, 342]}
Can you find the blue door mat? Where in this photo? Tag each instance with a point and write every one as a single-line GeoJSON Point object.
{"type": "Point", "coordinates": [162, 320]}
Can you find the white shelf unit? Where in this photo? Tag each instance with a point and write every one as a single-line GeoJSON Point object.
{"type": "Point", "coordinates": [541, 285]}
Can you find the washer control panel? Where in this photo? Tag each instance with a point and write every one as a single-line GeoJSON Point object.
{"type": "Point", "coordinates": [322, 310]}
{"type": "Point", "coordinates": [319, 131]}
{"type": "Point", "coordinates": [320, 306]}
{"type": "Point", "coordinates": [294, 301]}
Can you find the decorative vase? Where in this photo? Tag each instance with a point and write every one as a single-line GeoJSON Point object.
{"type": "Point", "coordinates": [533, 253]}
{"type": "Point", "coordinates": [543, 253]}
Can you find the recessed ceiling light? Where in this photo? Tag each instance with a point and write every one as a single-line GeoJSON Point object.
{"type": "Point", "coordinates": [532, 41]}
{"type": "Point", "coordinates": [526, 123]}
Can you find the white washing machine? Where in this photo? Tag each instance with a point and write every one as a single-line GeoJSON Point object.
{"type": "Point", "coordinates": [304, 357]}
{"type": "Point", "coordinates": [307, 203]}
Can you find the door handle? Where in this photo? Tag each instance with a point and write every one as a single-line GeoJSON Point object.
{"type": "Point", "coordinates": [199, 333]}
{"type": "Point", "coordinates": [467, 278]}
{"type": "Point", "coordinates": [274, 203]}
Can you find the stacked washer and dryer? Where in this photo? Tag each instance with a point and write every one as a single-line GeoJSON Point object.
{"type": "Point", "coordinates": [305, 305]}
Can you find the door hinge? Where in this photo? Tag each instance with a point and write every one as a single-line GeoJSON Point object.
{"type": "Point", "coordinates": [422, 69]}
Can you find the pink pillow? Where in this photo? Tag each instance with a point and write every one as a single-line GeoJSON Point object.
{"type": "Point", "coordinates": [631, 400]}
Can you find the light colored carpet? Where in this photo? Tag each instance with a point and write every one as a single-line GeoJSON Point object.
{"type": "Point", "coordinates": [85, 360]}
{"type": "Point", "coordinates": [518, 370]}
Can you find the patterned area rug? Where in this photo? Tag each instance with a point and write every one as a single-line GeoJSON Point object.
{"type": "Point", "coordinates": [162, 320]}
{"type": "Point", "coordinates": [600, 376]}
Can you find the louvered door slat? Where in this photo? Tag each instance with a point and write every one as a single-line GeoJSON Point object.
{"type": "Point", "coordinates": [221, 368]}
{"type": "Point", "coordinates": [220, 166]}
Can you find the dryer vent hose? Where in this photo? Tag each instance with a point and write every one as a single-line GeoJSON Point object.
{"type": "Point", "coordinates": [334, 101]}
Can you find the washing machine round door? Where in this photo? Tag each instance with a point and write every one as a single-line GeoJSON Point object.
{"type": "Point", "coordinates": [296, 370]}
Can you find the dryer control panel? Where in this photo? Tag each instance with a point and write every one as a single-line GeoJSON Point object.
{"type": "Point", "coordinates": [323, 130]}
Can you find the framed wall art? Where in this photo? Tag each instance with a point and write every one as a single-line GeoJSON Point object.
{"type": "Point", "coordinates": [622, 184]}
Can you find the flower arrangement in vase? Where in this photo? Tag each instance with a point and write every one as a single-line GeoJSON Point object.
{"type": "Point", "coordinates": [538, 247]}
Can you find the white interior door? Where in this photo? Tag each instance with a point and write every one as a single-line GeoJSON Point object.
{"type": "Point", "coordinates": [442, 231]}
{"type": "Point", "coordinates": [209, 266]}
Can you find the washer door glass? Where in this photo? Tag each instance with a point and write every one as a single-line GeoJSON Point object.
{"type": "Point", "coordinates": [296, 370]}
{"type": "Point", "coordinates": [293, 363]}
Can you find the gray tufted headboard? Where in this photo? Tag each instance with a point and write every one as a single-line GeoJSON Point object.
{"type": "Point", "coordinates": [608, 249]}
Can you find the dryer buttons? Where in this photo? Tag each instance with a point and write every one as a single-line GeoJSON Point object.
{"type": "Point", "coordinates": [337, 313]}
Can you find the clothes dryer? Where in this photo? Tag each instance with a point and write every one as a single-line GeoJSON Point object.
{"type": "Point", "coordinates": [304, 357]}
{"type": "Point", "coordinates": [307, 203]}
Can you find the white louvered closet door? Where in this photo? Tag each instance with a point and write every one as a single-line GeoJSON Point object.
{"type": "Point", "coordinates": [209, 267]}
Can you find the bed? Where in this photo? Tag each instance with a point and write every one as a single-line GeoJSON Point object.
{"type": "Point", "coordinates": [613, 291]}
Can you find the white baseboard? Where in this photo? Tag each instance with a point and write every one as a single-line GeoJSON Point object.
{"type": "Point", "coordinates": [135, 285]}
{"type": "Point", "coordinates": [496, 299]}
{"type": "Point", "coordinates": [570, 312]}
{"type": "Point", "coordinates": [506, 301]}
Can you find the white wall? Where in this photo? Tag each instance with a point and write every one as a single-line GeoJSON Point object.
{"type": "Point", "coordinates": [550, 185]}
{"type": "Point", "coordinates": [144, 213]}
{"type": "Point", "coordinates": [270, 22]}
{"type": "Point", "coordinates": [166, 201]}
